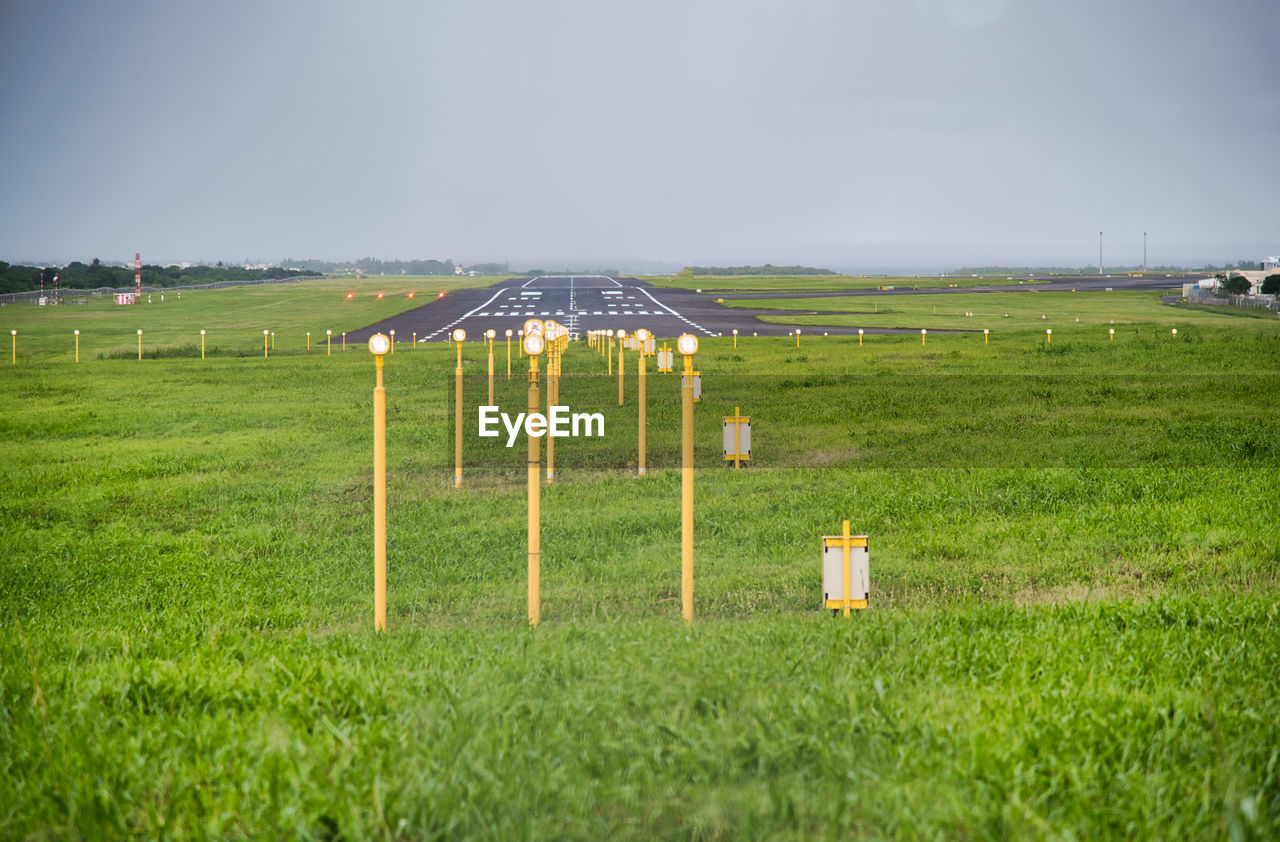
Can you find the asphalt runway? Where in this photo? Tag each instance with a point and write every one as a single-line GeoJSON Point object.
{"type": "Point", "coordinates": [597, 302]}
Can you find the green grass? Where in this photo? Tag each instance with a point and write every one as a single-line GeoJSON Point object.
{"type": "Point", "coordinates": [1002, 312]}
{"type": "Point", "coordinates": [815, 283]}
{"type": "Point", "coordinates": [234, 318]}
{"type": "Point", "coordinates": [1073, 631]}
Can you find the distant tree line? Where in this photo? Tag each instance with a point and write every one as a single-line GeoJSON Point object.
{"type": "Point", "coordinates": [374, 266]}
{"type": "Point", "coordinates": [77, 275]}
{"type": "Point", "coordinates": [767, 269]}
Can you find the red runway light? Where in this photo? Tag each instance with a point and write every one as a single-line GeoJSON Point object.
{"type": "Point", "coordinates": [411, 295]}
{"type": "Point", "coordinates": [441, 295]}
{"type": "Point", "coordinates": [380, 296]}
{"type": "Point", "coordinates": [350, 295]}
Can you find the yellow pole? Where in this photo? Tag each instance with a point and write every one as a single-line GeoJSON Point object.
{"type": "Point", "coordinates": [393, 340]}
{"type": "Point", "coordinates": [859, 339]}
{"type": "Point", "coordinates": [78, 346]}
{"type": "Point", "coordinates": [308, 340]}
{"type": "Point", "coordinates": [15, 346]}
{"type": "Point", "coordinates": [620, 372]}
{"type": "Point", "coordinates": [490, 372]}
{"type": "Point", "coordinates": [642, 471]}
{"type": "Point", "coordinates": [379, 502]}
{"type": "Point", "coordinates": [139, 344]}
{"type": "Point", "coordinates": [985, 336]}
{"type": "Point", "coordinates": [202, 344]}
{"type": "Point", "coordinates": [328, 341]}
{"type": "Point", "coordinates": [344, 340]}
{"type": "Point", "coordinates": [415, 339]}
{"type": "Point", "coordinates": [535, 503]}
{"type": "Point", "coordinates": [609, 356]}
{"type": "Point", "coordinates": [797, 338]}
{"type": "Point", "coordinates": [457, 421]}
{"type": "Point", "coordinates": [686, 492]}
{"type": "Point", "coordinates": [922, 333]}
{"type": "Point", "coordinates": [273, 340]}
{"type": "Point", "coordinates": [1048, 337]}
{"type": "Point", "coordinates": [552, 378]}
{"type": "Point", "coordinates": [845, 551]}
{"type": "Point", "coordinates": [266, 338]}
{"type": "Point", "coordinates": [508, 355]}
{"type": "Point", "coordinates": [735, 340]}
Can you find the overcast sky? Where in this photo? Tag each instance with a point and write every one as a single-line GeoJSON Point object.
{"type": "Point", "coordinates": [907, 133]}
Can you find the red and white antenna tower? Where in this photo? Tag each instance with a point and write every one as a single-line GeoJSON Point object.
{"type": "Point", "coordinates": [137, 276]}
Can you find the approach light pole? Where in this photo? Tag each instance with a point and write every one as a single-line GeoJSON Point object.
{"type": "Point", "coordinates": [379, 345]}
{"type": "Point", "coordinates": [534, 343]}
{"type": "Point", "coordinates": [459, 336]}
{"type": "Point", "coordinates": [642, 336]}
{"type": "Point", "coordinates": [489, 335]}
{"type": "Point", "coordinates": [688, 346]}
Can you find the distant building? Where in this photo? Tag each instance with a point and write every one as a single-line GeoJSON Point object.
{"type": "Point", "coordinates": [1270, 264]}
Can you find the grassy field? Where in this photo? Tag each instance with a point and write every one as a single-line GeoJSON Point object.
{"type": "Point", "coordinates": [1074, 633]}
{"type": "Point", "coordinates": [1002, 312]}
{"type": "Point", "coordinates": [172, 326]}
{"type": "Point", "coordinates": [815, 283]}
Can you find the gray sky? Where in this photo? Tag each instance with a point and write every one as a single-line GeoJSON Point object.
{"type": "Point", "coordinates": [844, 133]}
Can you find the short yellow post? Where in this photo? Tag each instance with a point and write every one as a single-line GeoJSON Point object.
{"type": "Point", "coordinates": [308, 340]}
{"type": "Point", "coordinates": [393, 340]}
{"type": "Point", "coordinates": [273, 340]}
{"type": "Point", "coordinates": [415, 339]}
{"type": "Point", "coordinates": [985, 335]}
{"type": "Point", "coordinates": [1048, 336]}
{"type": "Point", "coordinates": [1111, 334]}
{"type": "Point", "coordinates": [735, 339]}
{"type": "Point", "coordinates": [533, 345]}
{"type": "Point", "coordinates": [458, 336]}
{"type": "Point", "coordinates": [139, 343]}
{"type": "Point", "coordinates": [488, 336]}
{"type": "Point", "coordinates": [859, 337]}
{"type": "Point", "coordinates": [797, 337]}
{"type": "Point", "coordinates": [266, 340]}
{"type": "Point", "coordinates": [202, 344]}
{"type": "Point", "coordinates": [923, 331]}
{"type": "Point", "coordinates": [378, 345]}
{"type": "Point", "coordinates": [508, 353]}
{"type": "Point", "coordinates": [688, 346]}
{"type": "Point", "coordinates": [328, 342]}
{"type": "Point", "coordinates": [609, 355]}
{"type": "Point", "coordinates": [344, 340]}
{"type": "Point", "coordinates": [78, 347]}
{"type": "Point", "coordinates": [15, 346]}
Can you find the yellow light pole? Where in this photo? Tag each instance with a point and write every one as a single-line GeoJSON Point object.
{"type": "Point", "coordinates": [520, 344]}
{"type": "Point", "coordinates": [1111, 334]}
{"type": "Point", "coordinates": [1048, 336]}
{"type": "Point", "coordinates": [266, 339]}
{"type": "Point", "coordinates": [488, 336]}
{"type": "Point", "coordinates": [609, 354]}
{"type": "Point", "coordinates": [308, 340]}
{"type": "Point", "coordinates": [508, 353]}
{"type": "Point", "coordinates": [273, 340]}
{"type": "Point", "coordinates": [735, 339]}
{"type": "Point", "coordinates": [859, 337]}
{"type": "Point", "coordinates": [378, 346]}
{"type": "Point", "coordinates": [687, 344]}
{"type": "Point", "coordinates": [328, 342]}
{"type": "Point", "coordinates": [344, 340]}
{"type": "Point", "coordinates": [923, 331]}
{"type": "Point", "coordinates": [415, 339]}
{"type": "Point", "coordinates": [643, 336]}
{"type": "Point", "coordinates": [393, 340]}
{"type": "Point", "coordinates": [550, 342]}
{"type": "Point", "coordinates": [15, 346]}
{"type": "Point", "coordinates": [459, 336]}
{"type": "Point", "coordinates": [622, 335]}
{"type": "Point", "coordinates": [533, 346]}
{"type": "Point", "coordinates": [797, 337]}
{"type": "Point", "coordinates": [986, 334]}
{"type": "Point", "coordinates": [78, 346]}
{"type": "Point", "coordinates": [139, 343]}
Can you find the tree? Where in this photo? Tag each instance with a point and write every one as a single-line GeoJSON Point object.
{"type": "Point", "coordinates": [1236, 285]}
{"type": "Point", "coordinates": [1271, 284]}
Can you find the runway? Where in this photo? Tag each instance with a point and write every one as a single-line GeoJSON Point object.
{"type": "Point", "coordinates": [598, 302]}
